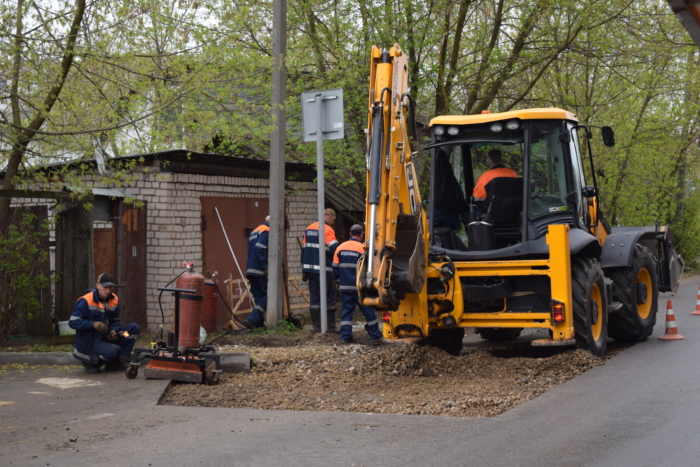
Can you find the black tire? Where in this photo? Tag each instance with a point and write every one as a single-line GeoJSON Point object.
{"type": "Point", "coordinates": [590, 305]}
{"type": "Point", "coordinates": [132, 372]}
{"type": "Point", "coordinates": [499, 334]}
{"type": "Point", "coordinates": [449, 340]}
{"type": "Point", "coordinates": [637, 288]}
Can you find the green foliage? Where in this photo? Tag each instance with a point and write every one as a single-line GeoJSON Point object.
{"type": "Point", "coordinates": [151, 76]}
{"type": "Point", "coordinates": [51, 348]}
{"type": "Point", "coordinates": [22, 259]}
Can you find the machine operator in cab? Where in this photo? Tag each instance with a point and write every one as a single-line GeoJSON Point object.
{"type": "Point", "coordinates": [494, 160]}
{"type": "Point", "coordinates": [311, 269]}
{"type": "Point", "coordinates": [100, 339]}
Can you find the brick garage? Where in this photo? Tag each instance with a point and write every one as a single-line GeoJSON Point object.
{"type": "Point", "coordinates": [145, 247]}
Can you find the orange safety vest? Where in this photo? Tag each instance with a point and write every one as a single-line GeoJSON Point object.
{"type": "Point", "coordinates": [486, 177]}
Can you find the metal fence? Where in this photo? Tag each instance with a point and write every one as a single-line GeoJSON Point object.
{"type": "Point", "coordinates": [63, 235]}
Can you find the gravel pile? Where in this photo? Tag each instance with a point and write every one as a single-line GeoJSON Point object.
{"type": "Point", "coordinates": [485, 380]}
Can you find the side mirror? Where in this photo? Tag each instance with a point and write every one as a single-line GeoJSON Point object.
{"type": "Point", "coordinates": [608, 136]}
{"type": "Point", "coordinates": [589, 191]}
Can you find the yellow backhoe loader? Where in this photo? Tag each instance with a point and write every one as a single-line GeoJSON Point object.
{"type": "Point", "coordinates": [534, 252]}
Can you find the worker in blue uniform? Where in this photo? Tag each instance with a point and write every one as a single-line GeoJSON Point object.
{"type": "Point", "coordinates": [345, 271]}
{"type": "Point", "coordinates": [100, 339]}
{"type": "Point", "coordinates": [311, 270]}
{"type": "Point", "coordinates": [256, 272]}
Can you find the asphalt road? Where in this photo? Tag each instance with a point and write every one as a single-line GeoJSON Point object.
{"type": "Point", "coordinates": [639, 409]}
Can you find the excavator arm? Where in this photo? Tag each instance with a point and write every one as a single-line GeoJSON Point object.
{"type": "Point", "coordinates": [395, 261]}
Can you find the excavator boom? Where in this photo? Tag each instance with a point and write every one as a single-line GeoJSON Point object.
{"type": "Point", "coordinates": [395, 262]}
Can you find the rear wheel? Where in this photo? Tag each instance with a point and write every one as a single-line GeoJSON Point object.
{"type": "Point", "coordinates": [449, 340]}
{"type": "Point", "coordinates": [590, 305]}
{"type": "Point", "coordinates": [636, 288]}
{"type": "Point", "coordinates": [499, 334]}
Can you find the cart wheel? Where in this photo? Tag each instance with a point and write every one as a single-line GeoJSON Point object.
{"type": "Point", "coordinates": [132, 371]}
{"type": "Point", "coordinates": [213, 379]}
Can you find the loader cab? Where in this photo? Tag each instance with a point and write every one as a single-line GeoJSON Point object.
{"type": "Point", "coordinates": [548, 186]}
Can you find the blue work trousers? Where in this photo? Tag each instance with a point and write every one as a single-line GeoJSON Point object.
{"type": "Point", "coordinates": [109, 351]}
{"type": "Point", "coordinates": [258, 287]}
{"type": "Point", "coordinates": [350, 300]}
{"type": "Point", "coordinates": [315, 290]}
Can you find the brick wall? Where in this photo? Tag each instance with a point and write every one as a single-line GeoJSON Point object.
{"type": "Point", "coordinates": [174, 223]}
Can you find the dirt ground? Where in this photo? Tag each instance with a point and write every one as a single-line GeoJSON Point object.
{"type": "Point", "coordinates": [304, 371]}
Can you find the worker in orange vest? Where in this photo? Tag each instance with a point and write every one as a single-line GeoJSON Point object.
{"type": "Point", "coordinates": [345, 271]}
{"type": "Point", "coordinates": [313, 266]}
{"type": "Point", "coordinates": [494, 160]}
{"type": "Point", "coordinates": [256, 272]}
{"type": "Point", "coordinates": [100, 338]}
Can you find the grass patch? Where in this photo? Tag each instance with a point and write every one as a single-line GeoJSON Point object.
{"type": "Point", "coordinates": [50, 348]}
{"type": "Point", "coordinates": [283, 327]}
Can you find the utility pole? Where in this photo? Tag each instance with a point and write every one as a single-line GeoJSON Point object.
{"type": "Point", "coordinates": [276, 284]}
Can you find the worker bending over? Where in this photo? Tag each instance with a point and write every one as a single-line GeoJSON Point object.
{"type": "Point", "coordinates": [311, 269]}
{"type": "Point", "coordinates": [345, 271]}
{"type": "Point", "coordinates": [100, 339]}
{"type": "Point", "coordinates": [256, 272]}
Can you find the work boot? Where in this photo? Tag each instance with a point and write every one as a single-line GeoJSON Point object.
{"type": "Point", "coordinates": [315, 313]}
{"type": "Point", "coordinates": [90, 368]}
{"type": "Point", "coordinates": [117, 365]}
{"type": "Point", "coordinates": [332, 325]}
{"type": "Point", "coordinates": [248, 324]}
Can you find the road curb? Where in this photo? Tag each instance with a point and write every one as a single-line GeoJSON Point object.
{"type": "Point", "coordinates": [39, 358]}
{"type": "Point", "coordinates": [232, 362]}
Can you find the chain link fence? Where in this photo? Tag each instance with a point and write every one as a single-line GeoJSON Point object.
{"type": "Point", "coordinates": [46, 264]}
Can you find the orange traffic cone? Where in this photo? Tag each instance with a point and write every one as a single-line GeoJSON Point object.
{"type": "Point", "coordinates": [697, 305]}
{"type": "Point", "coordinates": [671, 328]}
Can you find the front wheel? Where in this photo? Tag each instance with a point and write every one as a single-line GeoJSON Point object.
{"type": "Point", "coordinates": [636, 288]}
{"type": "Point", "coordinates": [449, 340]}
{"type": "Point", "coordinates": [590, 305]}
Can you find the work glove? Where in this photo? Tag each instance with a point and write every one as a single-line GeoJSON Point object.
{"type": "Point", "coordinates": [265, 273]}
{"type": "Point", "coordinates": [101, 327]}
{"type": "Point", "coordinates": [112, 335]}
{"type": "Point", "coordinates": [304, 276]}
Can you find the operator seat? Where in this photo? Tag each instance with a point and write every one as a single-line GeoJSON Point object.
{"type": "Point", "coordinates": [505, 197]}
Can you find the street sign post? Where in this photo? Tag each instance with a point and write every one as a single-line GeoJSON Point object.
{"type": "Point", "coordinates": [322, 119]}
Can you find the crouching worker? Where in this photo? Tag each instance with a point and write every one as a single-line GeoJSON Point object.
{"type": "Point", "coordinates": [100, 339]}
{"type": "Point", "coordinates": [345, 270]}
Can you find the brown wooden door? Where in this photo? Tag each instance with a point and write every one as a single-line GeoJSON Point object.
{"type": "Point", "coordinates": [105, 250]}
{"type": "Point", "coordinates": [239, 216]}
{"type": "Point", "coordinates": [130, 235]}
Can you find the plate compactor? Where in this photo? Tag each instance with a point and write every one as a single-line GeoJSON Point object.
{"type": "Point", "coordinates": [181, 358]}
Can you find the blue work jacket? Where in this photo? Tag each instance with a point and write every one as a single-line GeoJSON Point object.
{"type": "Point", "coordinates": [87, 310]}
{"type": "Point", "coordinates": [257, 251]}
{"type": "Point", "coordinates": [345, 264]}
{"type": "Point", "coordinates": [309, 249]}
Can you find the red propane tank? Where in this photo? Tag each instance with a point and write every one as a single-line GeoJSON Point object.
{"type": "Point", "coordinates": [211, 300]}
{"type": "Point", "coordinates": [190, 309]}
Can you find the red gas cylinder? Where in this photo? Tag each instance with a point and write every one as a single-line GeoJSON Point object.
{"type": "Point", "coordinates": [190, 309]}
{"type": "Point", "coordinates": [211, 300]}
